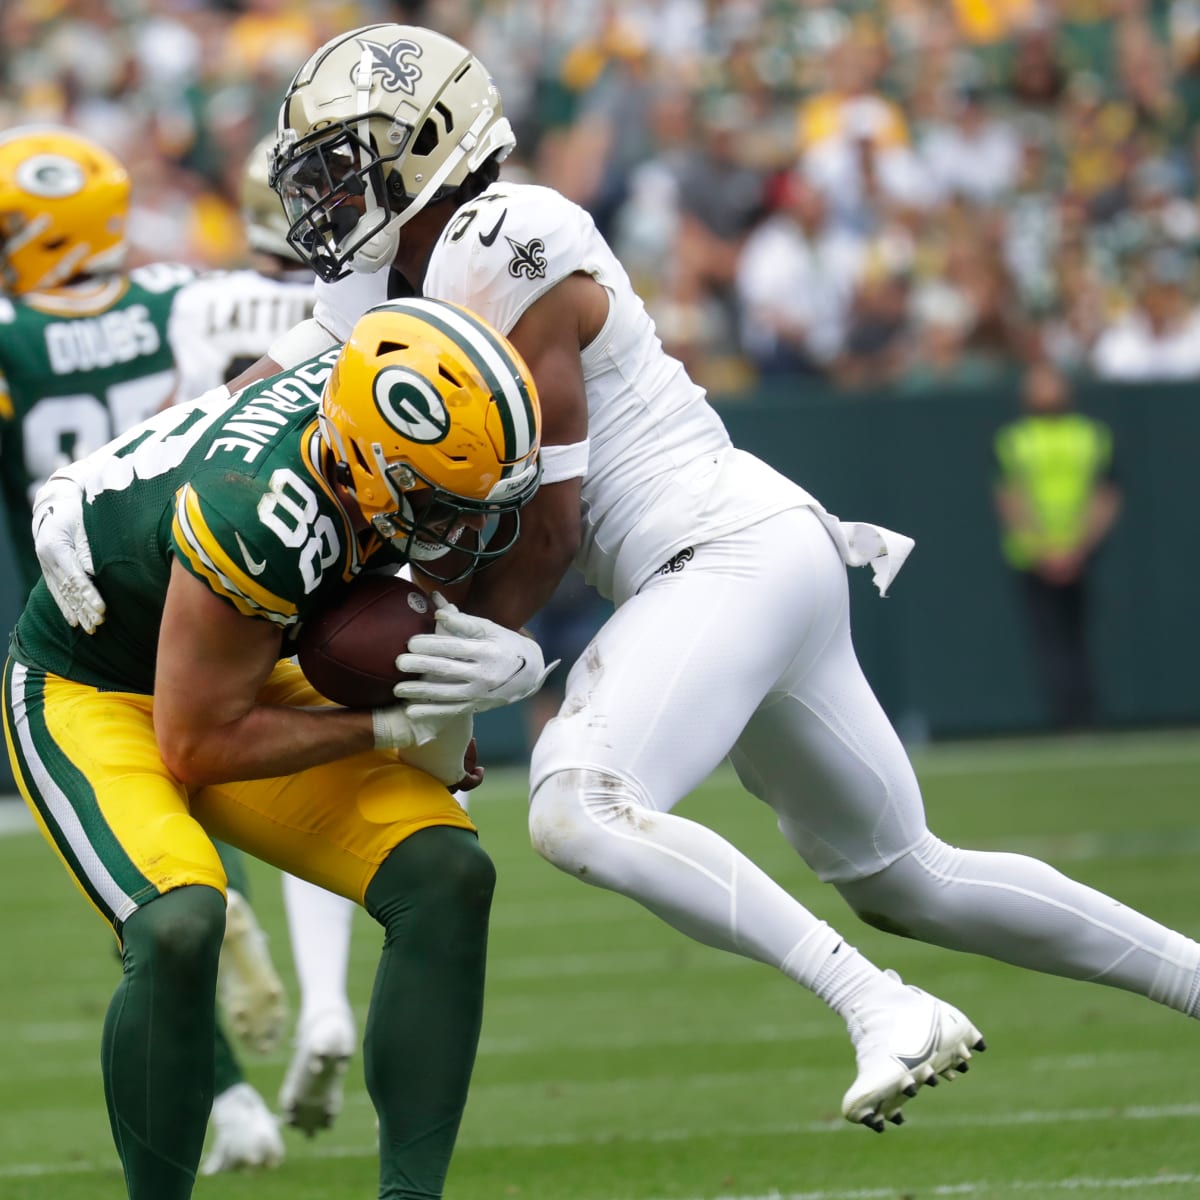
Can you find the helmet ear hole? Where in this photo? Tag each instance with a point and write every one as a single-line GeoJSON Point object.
{"type": "Point", "coordinates": [427, 140]}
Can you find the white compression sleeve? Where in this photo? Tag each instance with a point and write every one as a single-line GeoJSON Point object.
{"type": "Point", "coordinates": [1022, 911]}
{"type": "Point", "coordinates": [319, 925]}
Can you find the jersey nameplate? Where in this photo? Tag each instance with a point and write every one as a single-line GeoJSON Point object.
{"type": "Point", "coordinates": [86, 343]}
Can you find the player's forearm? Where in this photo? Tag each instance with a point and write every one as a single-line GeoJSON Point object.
{"type": "Point", "coordinates": [264, 743]}
{"type": "Point", "coordinates": [510, 591]}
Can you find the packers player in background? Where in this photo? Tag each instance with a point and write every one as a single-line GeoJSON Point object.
{"type": "Point", "coordinates": [88, 350]}
{"type": "Point", "coordinates": [216, 528]}
{"type": "Point", "coordinates": [728, 581]}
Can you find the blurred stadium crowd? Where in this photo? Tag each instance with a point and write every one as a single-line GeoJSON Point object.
{"type": "Point", "coordinates": [884, 194]}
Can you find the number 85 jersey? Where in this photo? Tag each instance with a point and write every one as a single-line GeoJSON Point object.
{"type": "Point", "coordinates": [231, 487]}
{"type": "Point", "coordinates": [79, 365]}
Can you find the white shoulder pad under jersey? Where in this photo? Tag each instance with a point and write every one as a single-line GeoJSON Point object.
{"type": "Point", "coordinates": [502, 251]}
{"type": "Point", "coordinates": [340, 304]}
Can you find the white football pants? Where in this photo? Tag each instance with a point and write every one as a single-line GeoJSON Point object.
{"type": "Point", "coordinates": [745, 650]}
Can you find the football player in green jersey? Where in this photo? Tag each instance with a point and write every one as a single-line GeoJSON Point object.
{"type": "Point", "coordinates": [217, 527]}
{"type": "Point", "coordinates": [88, 350]}
{"type": "Point", "coordinates": [84, 346]}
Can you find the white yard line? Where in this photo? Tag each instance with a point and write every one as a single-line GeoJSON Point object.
{"type": "Point", "coordinates": [982, 1187]}
{"type": "Point", "coordinates": [1188, 1112]}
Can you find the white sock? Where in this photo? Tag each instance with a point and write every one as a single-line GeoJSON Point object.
{"type": "Point", "coordinates": [319, 924]}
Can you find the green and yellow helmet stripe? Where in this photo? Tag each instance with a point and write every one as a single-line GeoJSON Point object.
{"type": "Point", "coordinates": [492, 357]}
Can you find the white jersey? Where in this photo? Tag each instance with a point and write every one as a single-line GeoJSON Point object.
{"type": "Point", "coordinates": [227, 320]}
{"type": "Point", "coordinates": [662, 474]}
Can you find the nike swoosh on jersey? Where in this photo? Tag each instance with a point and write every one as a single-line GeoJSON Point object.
{"type": "Point", "coordinates": [488, 238]}
{"type": "Point", "coordinates": [253, 565]}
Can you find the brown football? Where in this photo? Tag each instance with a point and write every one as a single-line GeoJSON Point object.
{"type": "Point", "coordinates": [348, 651]}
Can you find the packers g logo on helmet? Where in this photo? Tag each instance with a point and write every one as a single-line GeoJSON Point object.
{"type": "Point", "coordinates": [411, 405]}
{"type": "Point", "coordinates": [50, 175]}
{"type": "Point", "coordinates": [64, 201]}
{"type": "Point", "coordinates": [432, 420]}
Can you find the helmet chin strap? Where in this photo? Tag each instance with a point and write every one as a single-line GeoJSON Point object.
{"type": "Point", "coordinates": [379, 250]}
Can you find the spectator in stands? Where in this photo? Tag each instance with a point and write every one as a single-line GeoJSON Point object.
{"type": "Point", "coordinates": [1158, 339]}
{"type": "Point", "coordinates": [721, 198]}
{"type": "Point", "coordinates": [943, 319]}
{"type": "Point", "coordinates": [1057, 501]}
{"type": "Point", "coordinates": [796, 281]}
{"type": "Point", "coordinates": [854, 142]}
{"type": "Point", "coordinates": [876, 348]}
{"type": "Point", "coordinates": [972, 154]}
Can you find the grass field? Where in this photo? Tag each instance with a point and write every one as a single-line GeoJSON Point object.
{"type": "Point", "coordinates": [622, 1062]}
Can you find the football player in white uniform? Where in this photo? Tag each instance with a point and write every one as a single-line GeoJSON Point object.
{"type": "Point", "coordinates": [226, 320]}
{"type": "Point", "coordinates": [731, 634]}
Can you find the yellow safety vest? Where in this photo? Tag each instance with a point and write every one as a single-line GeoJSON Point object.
{"type": "Point", "coordinates": [1056, 461]}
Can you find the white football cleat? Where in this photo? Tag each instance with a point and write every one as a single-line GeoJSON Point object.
{"type": "Point", "coordinates": [903, 1037]}
{"type": "Point", "coordinates": [248, 986]}
{"type": "Point", "coordinates": [245, 1132]}
{"type": "Point", "coordinates": [311, 1093]}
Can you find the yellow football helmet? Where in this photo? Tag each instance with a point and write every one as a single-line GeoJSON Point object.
{"type": "Point", "coordinates": [432, 416]}
{"type": "Point", "coordinates": [377, 124]}
{"type": "Point", "coordinates": [263, 218]}
{"type": "Point", "coordinates": [64, 201]}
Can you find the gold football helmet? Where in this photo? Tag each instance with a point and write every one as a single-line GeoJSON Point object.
{"type": "Point", "coordinates": [263, 218]}
{"type": "Point", "coordinates": [64, 201]}
{"type": "Point", "coordinates": [377, 124]}
{"type": "Point", "coordinates": [432, 418]}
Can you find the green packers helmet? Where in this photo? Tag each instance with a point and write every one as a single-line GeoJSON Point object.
{"type": "Point", "coordinates": [431, 417]}
{"type": "Point", "coordinates": [379, 123]}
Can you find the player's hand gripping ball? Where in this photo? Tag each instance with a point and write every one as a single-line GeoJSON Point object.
{"type": "Point", "coordinates": [348, 651]}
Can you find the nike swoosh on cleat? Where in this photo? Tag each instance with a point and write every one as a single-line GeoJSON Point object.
{"type": "Point", "coordinates": [912, 1061]}
{"type": "Point", "coordinates": [488, 238]}
{"type": "Point", "coordinates": [253, 565]}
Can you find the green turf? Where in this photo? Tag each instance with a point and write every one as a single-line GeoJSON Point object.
{"type": "Point", "coordinates": [623, 1062]}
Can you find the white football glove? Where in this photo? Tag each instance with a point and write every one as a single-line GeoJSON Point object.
{"type": "Point", "coordinates": [64, 553]}
{"type": "Point", "coordinates": [398, 728]}
{"type": "Point", "coordinates": [436, 745]}
{"type": "Point", "coordinates": [443, 757]}
{"type": "Point", "coordinates": [469, 665]}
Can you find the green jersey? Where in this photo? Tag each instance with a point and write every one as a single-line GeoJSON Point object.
{"type": "Point", "coordinates": [79, 366]}
{"type": "Point", "coordinates": [233, 488]}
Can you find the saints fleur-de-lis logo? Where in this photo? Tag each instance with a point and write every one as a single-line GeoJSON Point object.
{"type": "Point", "coordinates": [398, 73]}
{"type": "Point", "coordinates": [528, 260]}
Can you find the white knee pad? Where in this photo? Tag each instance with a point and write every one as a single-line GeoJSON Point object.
{"type": "Point", "coordinates": [572, 813]}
